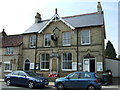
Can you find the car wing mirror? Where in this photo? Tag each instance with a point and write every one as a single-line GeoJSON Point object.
{"type": "Point", "coordinates": [67, 77]}
{"type": "Point", "coordinates": [24, 76]}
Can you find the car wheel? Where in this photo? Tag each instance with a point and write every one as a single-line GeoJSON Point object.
{"type": "Point", "coordinates": [31, 84]}
{"type": "Point", "coordinates": [8, 82]}
{"type": "Point", "coordinates": [91, 87]}
{"type": "Point", "coordinates": [60, 86]}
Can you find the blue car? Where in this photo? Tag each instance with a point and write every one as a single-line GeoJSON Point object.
{"type": "Point", "coordinates": [82, 80]}
{"type": "Point", "coordinates": [25, 78]}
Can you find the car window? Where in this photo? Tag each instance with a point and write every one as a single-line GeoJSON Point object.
{"type": "Point", "coordinates": [15, 73]}
{"type": "Point", "coordinates": [21, 74]}
{"type": "Point", "coordinates": [86, 75]}
{"type": "Point", "coordinates": [32, 74]}
{"type": "Point", "coordinates": [75, 76]}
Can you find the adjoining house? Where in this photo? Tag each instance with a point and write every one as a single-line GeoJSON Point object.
{"type": "Point", "coordinates": [61, 45]}
{"type": "Point", "coordinates": [10, 53]}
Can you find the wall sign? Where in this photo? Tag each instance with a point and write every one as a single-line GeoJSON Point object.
{"type": "Point", "coordinates": [99, 66]}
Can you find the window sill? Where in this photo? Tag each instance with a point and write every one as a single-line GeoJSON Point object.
{"type": "Point", "coordinates": [44, 69]}
{"type": "Point", "coordinates": [85, 43]}
{"type": "Point", "coordinates": [7, 70]}
{"type": "Point", "coordinates": [68, 70]}
{"type": "Point", "coordinates": [8, 55]}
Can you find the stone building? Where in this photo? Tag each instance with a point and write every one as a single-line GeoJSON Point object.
{"type": "Point", "coordinates": [10, 53]}
{"type": "Point", "coordinates": [62, 45]}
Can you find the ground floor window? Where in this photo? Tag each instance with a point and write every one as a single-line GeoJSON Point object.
{"type": "Point", "coordinates": [45, 58]}
{"type": "Point", "coordinates": [66, 61]}
{"type": "Point", "coordinates": [7, 66]}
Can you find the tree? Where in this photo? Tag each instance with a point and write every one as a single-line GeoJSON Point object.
{"type": "Point", "coordinates": [110, 50]}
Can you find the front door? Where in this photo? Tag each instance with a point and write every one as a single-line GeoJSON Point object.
{"type": "Point", "coordinates": [27, 65]}
{"type": "Point", "coordinates": [54, 65]}
{"type": "Point", "coordinates": [92, 65]}
{"type": "Point", "coordinates": [89, 65]}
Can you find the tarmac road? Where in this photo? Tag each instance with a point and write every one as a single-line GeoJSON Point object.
{"type": "Point", "coordinates": [50, 87]}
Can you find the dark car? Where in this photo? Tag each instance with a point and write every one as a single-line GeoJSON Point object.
{"type": "Point", "coordinates": [25, 78]}
{"type": "Point", "coordinates": [75, 80]}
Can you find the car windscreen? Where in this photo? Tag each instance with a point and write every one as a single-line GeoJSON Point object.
{"type": "Point", "coordinates": [32, 74]}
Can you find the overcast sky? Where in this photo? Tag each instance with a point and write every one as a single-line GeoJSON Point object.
{"type": "Point", "coordinates": [18, 15]}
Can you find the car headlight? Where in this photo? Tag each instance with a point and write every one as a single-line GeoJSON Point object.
{"type": "Point", "coordinates": [39, 80]}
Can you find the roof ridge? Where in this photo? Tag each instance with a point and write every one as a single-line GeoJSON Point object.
{"type": "Point", "coordinates": [73, 16]}
{"type": "Point", "coordinates": [80, 15]}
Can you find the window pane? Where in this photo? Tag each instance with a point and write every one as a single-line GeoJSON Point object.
{"type": "Point", "coordinates": [47, 39]}
{"type": "Point", "coordinates": [85, 36]}
{"type": "Point", "coordinates": [67, 61]}
{"type": "Point", "coordinates": [45, 61]}
{"type": "Point", "coordinates": [66, 38]}
{"type": "Point", "coordinates": [32, 41]}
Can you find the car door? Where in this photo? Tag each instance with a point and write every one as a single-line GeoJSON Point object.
{"type": "Point", "coordinates": [22, 78]}
{"type": "Point", "coordinates": [14, 77]}
{"type": "Point", "coordinates": [84, 80]}
{"type": "Point", "coordinates": [71, 81]}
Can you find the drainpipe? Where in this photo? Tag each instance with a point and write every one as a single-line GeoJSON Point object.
{"type": "Point", "coordinates": [35, 54]}
{"type": "Point", "coordinates": [77, 51]}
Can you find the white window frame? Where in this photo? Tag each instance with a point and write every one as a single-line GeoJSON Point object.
{"type": "Point", "coordinates": [32, 43]}
{"type": "Point", "coordinates": [66, 39]}
{"type": "Point", "coordinates": [85, 37]}
{"type": "Point", "coordinates": [48, 36]}
{"type": "Point", "coordinates": [10, 67]}
{"type": "Point", "coordinates": [67, 60]}
{"type": "Point", "coordinates": [9, 51]}
{"type": "Point", "coordinates": [44, 61]}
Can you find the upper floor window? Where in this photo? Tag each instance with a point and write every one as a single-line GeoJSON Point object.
{"type": "Point", "coordinates": [66, 39]}
{"type": "Point", "coordinates": [9, 51]}
{"type": "Point", "coordinates": [45, 61]}
{"type": "Point", "coordinates": [47, 40]}
{"type": "Point", "coordinates": [85, 34]}
{"type": "Point", "coordinates": [33, 41]}
{"type": "Point", "coordinates": [67, 61]}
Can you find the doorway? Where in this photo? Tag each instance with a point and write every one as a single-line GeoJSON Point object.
{"type": "Point", "coordinates": [89, 65]}
{"type": "Point", "coordinates": [92, 65]}
{"type": "Point", "coordinates": [27, 65]}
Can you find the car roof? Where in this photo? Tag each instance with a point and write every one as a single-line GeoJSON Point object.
{"type": "Point", "coordinates": [85, 72]}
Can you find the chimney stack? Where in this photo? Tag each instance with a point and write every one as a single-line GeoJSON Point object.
{"type": "Point", "coordinates": [37, 18]}
{"type": "Point", "coordinates": [99, 7]}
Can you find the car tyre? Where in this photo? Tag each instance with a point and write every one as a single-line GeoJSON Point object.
{"type": "Point", "coordinates": [60, 86]}
{"type": "Point", "coordinates": [30, 84]}
{"type": "Point", "coordinates": [91, 87]}
{"type": "Point", "coordinates": [8, 82]}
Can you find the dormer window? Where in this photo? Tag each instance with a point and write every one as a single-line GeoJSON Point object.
{"type": "Point", "coordinates": [32, 41]}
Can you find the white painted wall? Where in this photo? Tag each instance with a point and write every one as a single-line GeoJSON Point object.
{"type": "Point", "coordinates": [114, 66]}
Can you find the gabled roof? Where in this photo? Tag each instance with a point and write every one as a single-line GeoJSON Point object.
{"type": "Point", "coordinates": [12, 41]}
{"type": "Point", "coordinates": [77, 21]}
{"type": "Point", "coordinates": [56, 16]}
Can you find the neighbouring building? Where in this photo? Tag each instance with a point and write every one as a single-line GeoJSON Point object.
{"type": "Point", "coordinates": [109, 62]}
{"type": "Point", "coordinates": [10, 53]}
{"type": "Point", "coordinates": [62, 45]}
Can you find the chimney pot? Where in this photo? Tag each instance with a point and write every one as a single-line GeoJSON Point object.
{"type": "Point", "coordinates": [37, 18]}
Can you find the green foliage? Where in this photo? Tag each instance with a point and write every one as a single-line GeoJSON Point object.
{"type": "Point", "coordinates": [110, 50]}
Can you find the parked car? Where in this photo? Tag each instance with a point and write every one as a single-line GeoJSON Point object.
{"type": "Point", "coordinates": [25, 78]}
{"type": "Point", "coordinates": [83, 80]}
